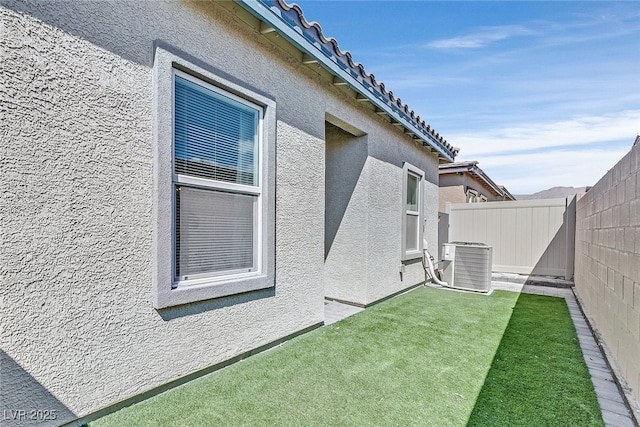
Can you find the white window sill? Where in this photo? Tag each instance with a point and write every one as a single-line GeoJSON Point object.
{"type": "Point", "coordinates": [411, 255]}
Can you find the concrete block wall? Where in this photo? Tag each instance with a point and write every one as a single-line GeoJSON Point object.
{"type": "Point", "coordinates": [607, 265]}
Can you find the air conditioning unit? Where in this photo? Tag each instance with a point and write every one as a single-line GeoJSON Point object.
{"type": "Point", "coordinates": [467, 265]}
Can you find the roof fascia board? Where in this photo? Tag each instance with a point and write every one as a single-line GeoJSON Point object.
{"type": "Point", "coordinates": [506, 192]}
{"type": "Point", "coordinates": [453, 170]}
{"type": "Point", "coordinates": [488, 181]}
{"type": "Point", "coordinates": [476, 172]}
{"type": "Point", "coordinates": [289, 30]}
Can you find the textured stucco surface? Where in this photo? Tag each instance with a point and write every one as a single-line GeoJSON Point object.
{"type": "Point", "coordinates": [607, 266]}
{"type": "Point", "coordinates": [346, 216]}
{"type": "Point", "coordinates": [450, 193]}
{"type": "Point", "coordinates": [363, 262]}
{"type": "Point", "coordinates": [386, 211]}
{"type": "Point", "coordinates": [76, 261]}
{"type": "Point", "coordinates": [76, 191]}
{"type": "Point", "coordinates": [453, 189]}
{"type": "Point", "coordinates": [77, 253]}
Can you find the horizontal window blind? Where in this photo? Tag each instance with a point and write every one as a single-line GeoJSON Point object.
{"type": "Point", "coordinates": [214, 232]}
{"type": "Point", "coordinates": [411, 232]}
{"type": "Point", "coordinates": [216, 137]}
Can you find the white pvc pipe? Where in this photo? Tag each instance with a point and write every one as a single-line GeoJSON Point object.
{"type": "Point", "coordinates": [427, 256]}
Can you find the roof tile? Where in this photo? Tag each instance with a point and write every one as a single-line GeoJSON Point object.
{"type": "Point", "coordinates": [293, 14]}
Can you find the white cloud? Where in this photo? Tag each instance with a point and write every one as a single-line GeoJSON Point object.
{"type": "Point", "coordinates": [583, 30]}
{"type": "Point", "coordinates": [483, 37]}
{"type": "Point", "coordinates": [584, 130]}
{"type": "Point", "coordinates": [416, 81]}
{"type": "Point", "coordinates": [532, 172]}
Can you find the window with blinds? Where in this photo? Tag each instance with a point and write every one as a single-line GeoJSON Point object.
{"type": "Point", "coordinates": [216, 181]}
{"type": "Point", "coordinates": [412, 212]}
{"type": "Point", "coordinates": [412, 223]}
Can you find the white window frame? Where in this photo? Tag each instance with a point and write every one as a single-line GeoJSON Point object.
{"type": "Point", "coordinates": [168, 290]}
{"type": "Point", "coordinates": [233, 188]}
{"type": "Point", "coordinates": [409, 169]}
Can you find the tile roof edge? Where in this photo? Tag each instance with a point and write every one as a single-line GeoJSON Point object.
{"type": "Point", "coordinates": [329, 47]}
{"type": "Point", "coordinates": [471, 166]}
{"type": "Point", "coordinates": [463, 164]}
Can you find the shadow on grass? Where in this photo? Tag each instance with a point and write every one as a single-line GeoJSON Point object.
{"type": "Point", "coordinates": [538, 375]}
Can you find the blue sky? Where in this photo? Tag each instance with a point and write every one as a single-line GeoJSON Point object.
{"type": "Point", "coordinates": [542, 94]}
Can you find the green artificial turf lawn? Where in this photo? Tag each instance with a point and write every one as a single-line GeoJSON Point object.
{"type": "Point", "coordinates": [538, 376]}
{"type": "Point", "coordinates": [418, 359]}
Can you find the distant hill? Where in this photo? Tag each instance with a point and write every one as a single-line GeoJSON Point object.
{"type": "Point", "coordinates": [552, 193]}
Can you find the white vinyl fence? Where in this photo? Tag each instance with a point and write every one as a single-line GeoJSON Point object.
{"type": "Point", "coordinates": [528, 237]}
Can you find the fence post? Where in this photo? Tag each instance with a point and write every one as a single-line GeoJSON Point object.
{"type": "Point", "coordinates": [570, 223]}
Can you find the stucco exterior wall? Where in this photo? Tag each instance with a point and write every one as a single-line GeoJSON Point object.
{"type": "Point", "coordinates": [453, 189]}
{"type": "Point", "coordinates": [79, 329]}
{"type": "Point", "coordinates": [607, 270]}
{"type": "Point", "coordinates": [346, 215]}
{"type": "Point", "coordinates": [363, 261]}
{"type": "Point", "coordinates": [451, 194]}
{"type": "Point", "coordinates": [386, 211]}
{"type": "Point", "coordinates": [77, 253]}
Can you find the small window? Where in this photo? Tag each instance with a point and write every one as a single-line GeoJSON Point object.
{"type": "Point", "coordinates": [412, 216]}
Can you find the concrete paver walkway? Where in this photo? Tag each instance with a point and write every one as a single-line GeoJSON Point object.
{"type": "Point", "coordinates": [335, 311]}
{"type": "Point", "coordinates": [614, 411]}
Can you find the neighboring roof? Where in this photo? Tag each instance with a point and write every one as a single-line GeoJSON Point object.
{"type": "Point", "coordinates": [554, 193]}
{"type": "Point", "coordinates": [290, 23]}
{"type": "Point", "coordinates": [471, 167]}
{"type": "Point", "coordinates": [466, 164]}
{"type": "Point", "coordinates": [505, 193]}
